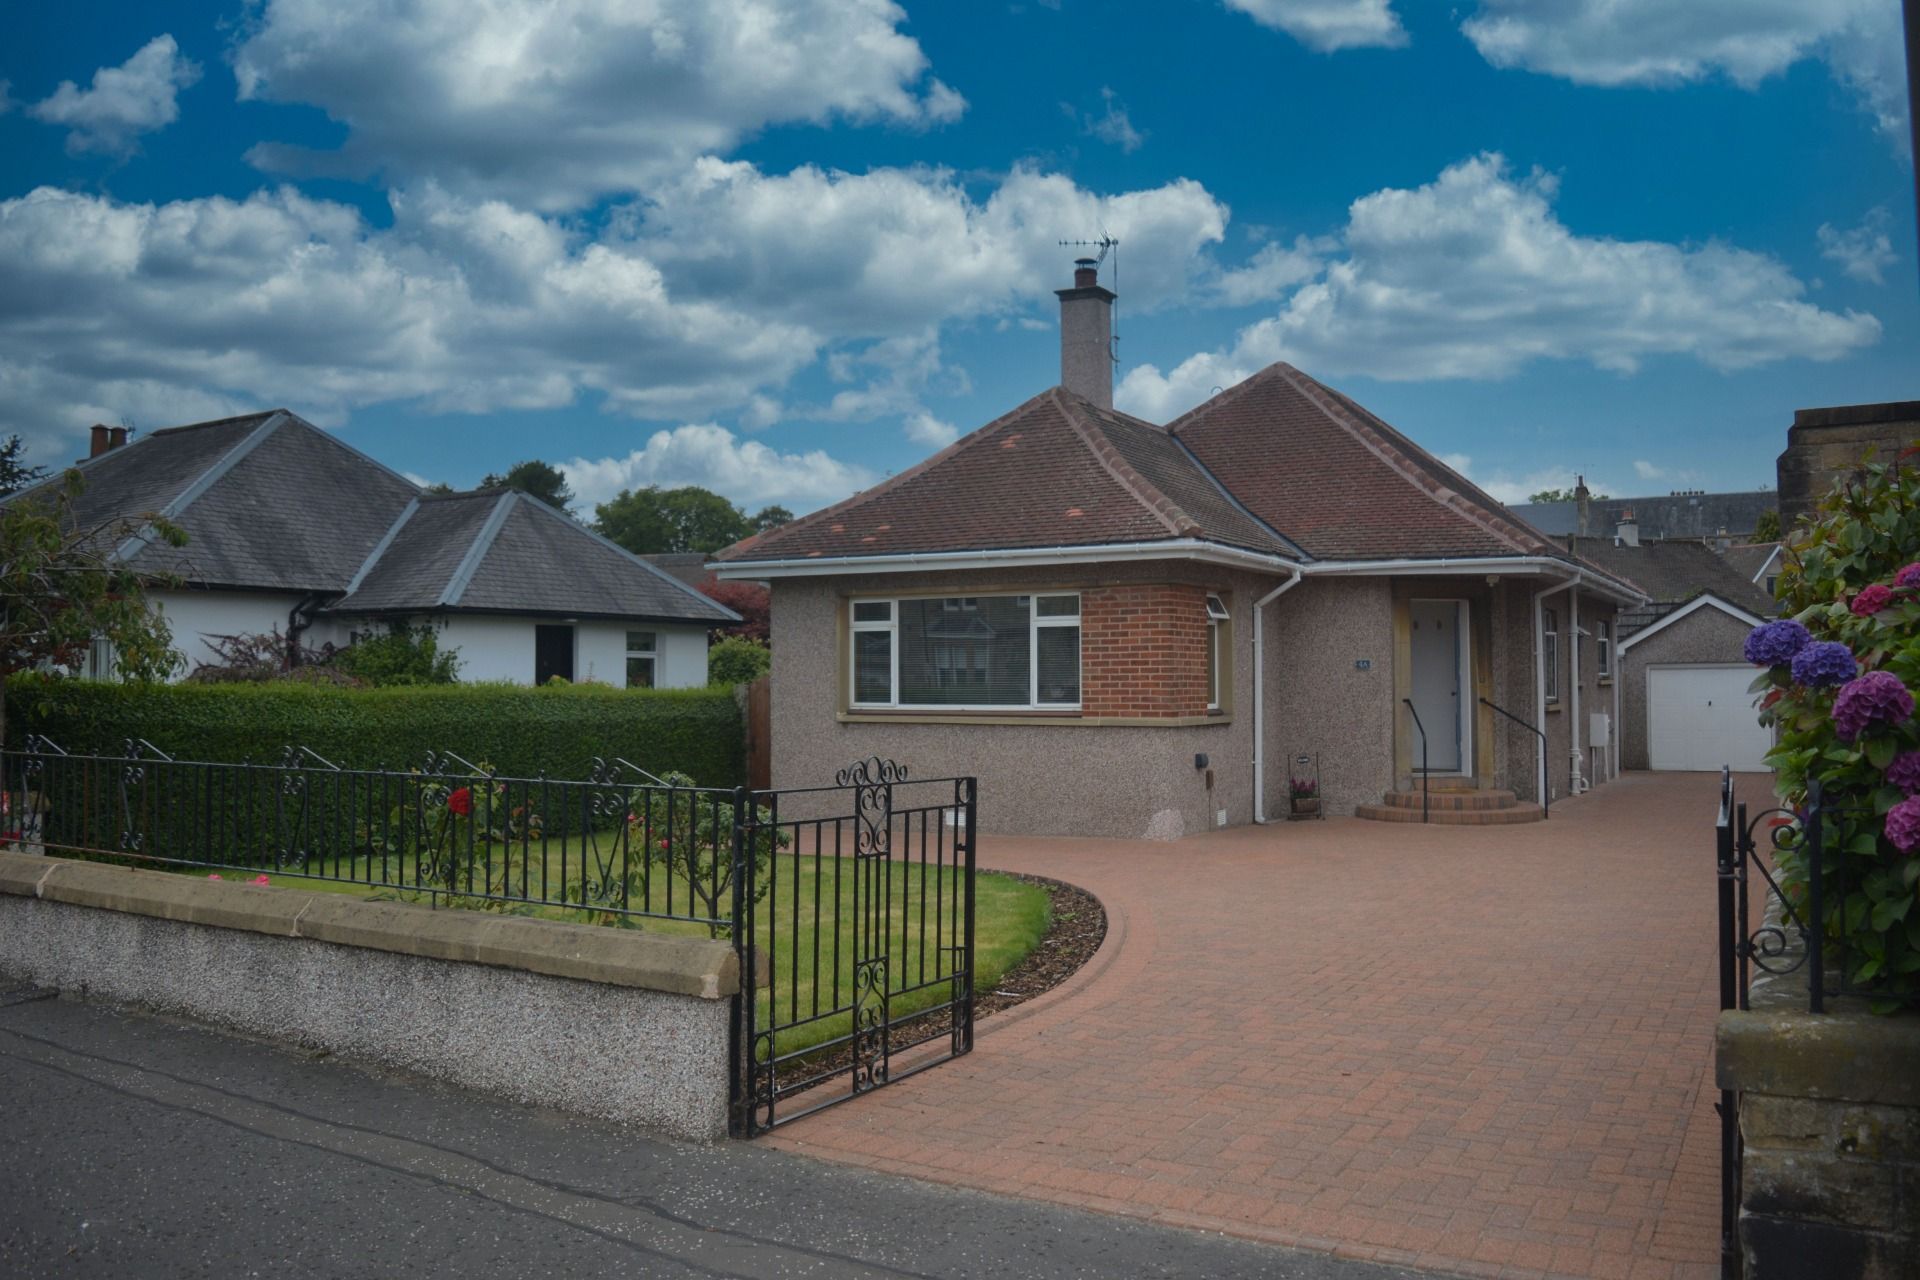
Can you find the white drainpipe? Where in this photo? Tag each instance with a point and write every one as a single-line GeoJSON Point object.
{"type": "Point", "coordinates": [1578, 781]}
{"type": "Point", "coordinates": [1260, 699]}
{"type": "Point", "coordinates": [1540, 680]}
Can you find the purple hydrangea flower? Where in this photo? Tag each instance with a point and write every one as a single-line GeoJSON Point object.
{"type": "Point", "coordinates": [1903, 825]}
{"type": "Point", "coordinates": [1773, 644]}
{"type": "Point", "coordinates": [1877, 697]}
{"type": "Point", "coordinates": [1909, 576]}
{"type": "Point", "coordinates": [1824, 662]}
{"type": "Point", "coordinates": [1904, 772]}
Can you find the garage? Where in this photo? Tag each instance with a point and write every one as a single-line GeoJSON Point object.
{"type": "Point", "coordinates": [1700, 716]}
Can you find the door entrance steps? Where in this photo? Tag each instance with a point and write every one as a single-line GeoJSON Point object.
{"type": "Point", "coordinates": [1452, 802]}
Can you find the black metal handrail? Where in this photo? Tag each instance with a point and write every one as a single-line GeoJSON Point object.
{"type": "Point", "coordinates": [1426, 775]}
{"type": "Point", "coordinates": [1545, 800]}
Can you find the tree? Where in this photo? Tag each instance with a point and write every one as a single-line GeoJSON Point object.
{"type": "Point", "coordinates": [535, 478]}
{"type": "Point", "coordinates": [652, 520]}
{"type": "Point", "coordinates": [15, 474]}
{"type": "Point", "coordinates": [753, 602]}
{"type": "Point", "coordinates": [62, 587]}
{"type": "Point", "coordinates": [1767, 527]}
{"type": "Point", "coordinates": [1561, 495]}
{"type": "Point", "coordinates": [738, 661]}
{"type": "Point", "coordinates": [771, 517]}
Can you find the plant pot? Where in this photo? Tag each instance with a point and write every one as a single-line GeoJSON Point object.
{"type": "Point", "coordinates": [1306, 804]}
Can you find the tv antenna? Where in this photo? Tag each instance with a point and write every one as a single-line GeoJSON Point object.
{"type": "Point", "coordinates": [1105, 244]}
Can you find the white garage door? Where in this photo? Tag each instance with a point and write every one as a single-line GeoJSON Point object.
{"type": "Point", "coordinates": [1702, 718]}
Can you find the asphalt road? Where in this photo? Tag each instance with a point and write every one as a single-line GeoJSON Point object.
{"type": "Point", "coordinates": [138, 1146]}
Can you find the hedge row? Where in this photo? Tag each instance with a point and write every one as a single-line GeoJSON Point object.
{"type": "Point", "coordinates": [520, 731]}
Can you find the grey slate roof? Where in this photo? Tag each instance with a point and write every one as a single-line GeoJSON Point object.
{"type": "Point", "coordinates": [1664, 518]}
{"type": "Point", "coordinates": [689, 567]}
{"type": "Point", "coordinates": [1749, 558]}
{"type": "Point", "coordinates": [269, 501]}
{"type": "Point", "coordinates": [1672, 573]}
{"type": "Point", "coordinates": [501, 551]}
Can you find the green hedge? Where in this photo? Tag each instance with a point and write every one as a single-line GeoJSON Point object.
{"type": "Point", "coordinates": [520, 731]}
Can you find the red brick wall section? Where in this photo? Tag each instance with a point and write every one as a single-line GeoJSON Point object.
{"type": "Point", "coordinates": [1143, 651]}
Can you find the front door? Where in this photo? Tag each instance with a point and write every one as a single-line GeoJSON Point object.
{"type": "Point", "coordinates": [552, 653]}
{"type": "Point", "coordinates": [1439, 683]}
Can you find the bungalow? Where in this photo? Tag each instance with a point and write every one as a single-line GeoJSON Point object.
{"type": "Point", "coordinates": [1133, 629]}
{"type": "Point", "coordinates": [290, 528]}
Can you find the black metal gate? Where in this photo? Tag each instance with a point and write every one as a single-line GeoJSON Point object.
{"type": "Point", "coordinates": [856, 945]}
{"type": "Point", "coordinates": [1769, 947]}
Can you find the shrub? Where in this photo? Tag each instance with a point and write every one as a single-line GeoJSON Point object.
{"type": "Point", "coordinates": [405, 655]}
{"type": "Point", "coordinates": [1841, 672]}
{"type": "Point", "coordinates": [522, 731]}
{"type": "Point", "coordinates": [736, 660]}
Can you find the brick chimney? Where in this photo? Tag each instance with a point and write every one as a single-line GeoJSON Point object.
{"type": "Point", "coordinates": [1582, 502]}
{"type": "Point", "coordinates": [1086, 335]}
{"type": "Point", "coordinates": [98, 443]}
{"type": "Point", "coordinates": [116, 436]}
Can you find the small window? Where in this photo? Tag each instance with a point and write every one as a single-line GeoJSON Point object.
{"type": "Point", "coordinates": [873, 611]}
{"type": "Point", "coordinates": [1603, 650]}
{"type": "Point", "coordinates": [102, 662]}
{"type": "Point", "coordinates": [642, 653]}
{"type": "Point", "coordinates": [1550, 653]}
{"type": "Point", "coordinates": [1773, 584]}
{"type": "Point", "coordinates": [1216, 614]}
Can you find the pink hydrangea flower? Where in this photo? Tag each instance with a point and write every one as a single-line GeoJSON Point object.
{"type": "Point", "coordinates": [1871, 600]}
{"type": "Point", "coordinates": [1903, 825]}
{"type": "Point", "coordinates": [1909, 576]}
{"type": "Point", "coordinates": [213, 875]}
{"type": "Point", "coordinates": [261, 879]}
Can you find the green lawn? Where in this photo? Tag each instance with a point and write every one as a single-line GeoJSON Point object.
{"type": "Point", "coordinates": [805, 927]}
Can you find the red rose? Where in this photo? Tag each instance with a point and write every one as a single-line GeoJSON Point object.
{"type": "Point", "coordinates": [460, 802]}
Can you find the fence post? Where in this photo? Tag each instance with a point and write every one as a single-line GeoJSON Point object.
{"type": "Point", "coordinates": [1727, 850]}
{"type": "Point", "coordinates": [740, 1033]}
{"type": "Point", "coordinates": [973, 787]}
{"type": "Point", "coordinates": [1816, 899]}
{"type": "Point", "coordinates": [1727, 838]}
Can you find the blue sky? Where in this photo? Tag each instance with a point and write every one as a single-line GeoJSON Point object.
{"type": "Point", "coordinates": [783, 249]}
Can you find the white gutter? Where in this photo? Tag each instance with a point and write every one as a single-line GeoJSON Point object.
{"type": "Point", "coordinates": [1259, 697]}
{"type": "Point", "coordinates": [1473, 564]}
{"type": "Point", "coordinates": [1540, 680]}
{"type": "Point", "coordinates": [916, 562]}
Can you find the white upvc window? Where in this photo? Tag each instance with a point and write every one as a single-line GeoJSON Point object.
{"type": "Point", "coordinates": [1550, 653]}
{"type": "Point", "coordinates": [966, 653]}
{"type": "Point", "coordinates": [1603, 650]}
{"type": "Point", "coordinates": [643, 652]}
{"type": "Point", "coordinates": [102, 662]}
{"type": "Point", "coordinates": [1216, 614]}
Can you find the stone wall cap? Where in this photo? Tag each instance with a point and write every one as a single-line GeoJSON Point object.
{"type": "Point", "coordinates": [693, 966]}
{"type": "Point", "coordinates": [1848, 1057]}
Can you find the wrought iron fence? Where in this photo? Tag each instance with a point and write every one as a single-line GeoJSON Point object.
{"type": "Point", "coordinates": [619, 845]}
{"type": "Point", "coordinates": [851, 907]}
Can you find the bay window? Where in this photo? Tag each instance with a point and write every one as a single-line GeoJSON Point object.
{"type": "Point", "coordinates": [964, 653]}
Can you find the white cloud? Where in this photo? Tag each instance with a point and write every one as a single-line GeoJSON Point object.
{"type": "Point", "coordinates": [164, 310]}
{"type": "Point", "coordinates": [1657, 42]}
{"type": "Point", "coordinates": [923, 428]}
{"type": "Point", "coordinates": [138, 96]}
{"type": "Point", "coordinates": [1473, 276]}
{"type": "Point", "coordinates": [1863, 252]}
{"type": "Point", "coordinates": [1111, 125]}
{"type": "Point", "coordinates": [1646, 470]}
{"type": "Point", "coordinates": [747, 471]}
{"type": "Point", "coordinates": [1273, 271]}
{"type": "Point", "coordinates": [553, 105]}
{"type": "Point", "coordinates": [1328, 25]}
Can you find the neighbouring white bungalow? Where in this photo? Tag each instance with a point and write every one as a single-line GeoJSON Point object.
{"type": "Point", "coordinates": [290, 528]}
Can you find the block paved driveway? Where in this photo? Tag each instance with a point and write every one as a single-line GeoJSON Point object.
{"type": "Point", "coordinates": [1482, 1050]}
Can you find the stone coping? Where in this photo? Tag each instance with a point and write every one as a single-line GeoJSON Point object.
{"type": "Point", "coordinates": [701, 967]}
{"type": "Point", "coordinates": [1844, 1056]}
